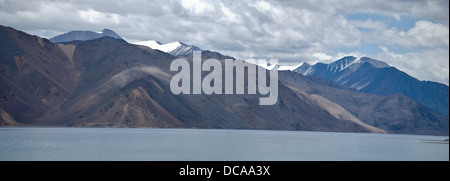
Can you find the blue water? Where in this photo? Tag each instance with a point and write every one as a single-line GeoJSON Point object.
{"type": "Point", "coordinates": [213, 144]}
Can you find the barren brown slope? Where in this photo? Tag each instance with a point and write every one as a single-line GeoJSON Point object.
{"type": "Point", "coordinates": [109, 82]}
{"type": "Point", "coordinates": [126, 85]}
{"type": "Point", "coordinates": [106, 96]}
{"type": "Point", "coordinates": [35, 75]}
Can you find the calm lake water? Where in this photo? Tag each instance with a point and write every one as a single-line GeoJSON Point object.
{"type": "Point", "coordinates": [213, 144]}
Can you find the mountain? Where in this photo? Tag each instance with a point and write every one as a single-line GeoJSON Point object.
{"type": "Point", "coordinates": [107, 82]}
{"type": "Point", "coordinates": [175, 48]}
{"type": "Point", "coordinates": [395, 113]}
{"type": "Point", "coordinates": [376, 77]}
{"type": "Point", "coordinates": [84, 35]}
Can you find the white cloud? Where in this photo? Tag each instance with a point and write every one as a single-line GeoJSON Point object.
{"type": "Point", "coordinates": [323, 57]}
{"type": "Point", "coordinates": [430, 65]}
{"type": "Point", "coordinates": [93, 16]}
{"type": "Point", "coordinates": [264, 5]}
{"type": "Point", "coordinates": [429, 34]}
{"type": "Point", "coordinates": [291, 31]}
{"type": "Point", "coordinates": [423, 34]}
{"type": "Point", "coordinates": [198, 6]}
{"type": "Point", "coordinates": [228, 13]}
{"type": "Point", "coordinates": [370, 25]}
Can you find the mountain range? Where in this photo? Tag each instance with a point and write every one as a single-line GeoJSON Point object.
{"type": "Point", "coordinates": [174, 48]}
{"type": "Point", "coordinates": [108, 82]}
{"type": "Point", "coordinates": [376, 77]}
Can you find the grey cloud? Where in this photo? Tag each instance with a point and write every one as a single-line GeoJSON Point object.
{"type": "Point", "coordinates": [291, 31]}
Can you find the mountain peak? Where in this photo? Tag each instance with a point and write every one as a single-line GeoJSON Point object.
{"type": "Point", "coordinates": [107, 30]}
{"type": "Point", "coordinates": [373, 62]}
{"type": "Point", "coordinates": [84, 35]}
{"type": "Point", "coordinates": [304, 69]}
{"type": "Point", "coordinates": [347, 61]}
{"type": "Point", "coordinates": [175, 48]}
{"type": "Point", "coordinates": [342, 64]}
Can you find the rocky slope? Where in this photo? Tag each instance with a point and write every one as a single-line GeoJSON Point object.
{"type": "Point", "coordinates": [108, 82]}
{"type": "Point", "coordinates": [395, 113]}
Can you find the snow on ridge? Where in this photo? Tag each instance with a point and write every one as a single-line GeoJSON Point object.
{"type": "Point", "coordinates": [289, 67]}
{"type": "Point", "coordinates": [168, 47]}
{"type": "Point", "coordinates": [269, 66]}
{"type": "Point", "coordinates": [356, 60]}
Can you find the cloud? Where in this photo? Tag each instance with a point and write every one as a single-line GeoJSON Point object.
{"type": "Point", "coordinates": [198, 7]}
{"type": "Point", "coordinates": [429, 34]}
{"type": "Point", "coordinates": [291, 31]}
{"type": "Point", "coordinates": [426, 65]}
{"type": "Point", "coordinates": [93, 16]}
{"type": "Point", "coordinates": [370, 25]}
{"type": "Point", "coordinates": [423, 34]}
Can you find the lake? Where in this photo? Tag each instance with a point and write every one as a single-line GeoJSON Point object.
{"type": "Point", "coordinates": [113, 144]}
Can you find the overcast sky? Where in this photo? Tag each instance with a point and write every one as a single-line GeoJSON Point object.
{"type": "Point", "coordinates": [412, 35]}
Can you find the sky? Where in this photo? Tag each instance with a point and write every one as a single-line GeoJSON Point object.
{"type": "Point", "coordinates": [412, 35]}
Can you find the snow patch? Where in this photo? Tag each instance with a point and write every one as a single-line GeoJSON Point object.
{"type": "Point", "coordinates": [168, 47]}
{"type": "Point", "coordinates": [289, 67]}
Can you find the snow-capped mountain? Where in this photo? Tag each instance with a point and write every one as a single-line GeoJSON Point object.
{"type": "Point", "coordinates": [376, 77]}
{"type": "Point", "coordinates": [84, 35]}
{"type": "Point", "coordinates": [175, 48]}
{"type": "Point", "coordinates": [304, 69]}
{"type": "Point", "coordinates": [339, 65]}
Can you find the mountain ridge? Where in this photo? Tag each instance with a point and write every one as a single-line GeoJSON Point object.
{"type": "Point", "coordinates": [82, 35]}
{"type": "Point", "coordinates": [376, 77]}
